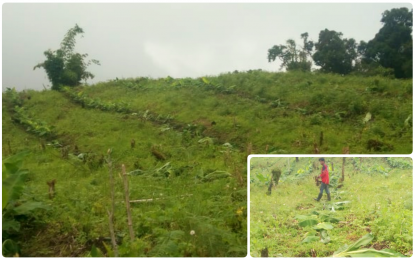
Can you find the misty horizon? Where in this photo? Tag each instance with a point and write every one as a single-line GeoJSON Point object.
{"type": "Point", "coordinates": [177, 40]}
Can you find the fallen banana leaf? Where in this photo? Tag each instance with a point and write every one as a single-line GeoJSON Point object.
{"type": "Point", "coordinates": [355, 251]}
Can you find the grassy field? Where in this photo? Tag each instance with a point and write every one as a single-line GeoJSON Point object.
{"type": "Point", "coordinates": [377, 196]}
{"type": "Point", "coordinates": [191, 139]}
{"type": "Point", "coordinates": [201, 186]}
{"type": "Point", "coordinates": [286, 112]}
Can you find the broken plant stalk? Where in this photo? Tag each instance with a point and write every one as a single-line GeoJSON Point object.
{"type": "Point", "coordinates": [111, 212]}
{"type": "Point", "coordinates": [127, 203]}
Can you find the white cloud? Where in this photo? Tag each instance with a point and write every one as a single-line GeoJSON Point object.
{"type": "Point", "coordinates": [179, 60]}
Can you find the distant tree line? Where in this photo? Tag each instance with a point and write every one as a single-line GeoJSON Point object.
{"type": "Point", "coordinates": [388, 53]}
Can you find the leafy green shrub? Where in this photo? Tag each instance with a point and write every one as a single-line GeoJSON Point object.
{"type": "Point", "coordinates": [81, 98]}
{"type": "Point", "coordinates": [400, 163]}
{"type": "Point", "coordinates": [64, 67]}
{"type": "Point", "coordinates": [39, 128]}
{"type": "Point", "coordinates": [389, 225]}
{"type": "Point", "coordinates": [13, 206]}
{"type": "Point", "coordinates": [14, 97]}
{"type": "Point", "coordinates": [357, 106]}
{"type": "Point", "coordinates": [316, 119]}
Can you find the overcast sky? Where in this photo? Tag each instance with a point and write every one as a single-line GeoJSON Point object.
{"type": "Point", "coordinates": [180, 40]}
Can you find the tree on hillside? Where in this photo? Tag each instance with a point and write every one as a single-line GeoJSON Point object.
{"type": "Point", "coordinates": [392, 45]}
{"type": "Point", "coordinates": [368, 68]}
{"type": "Point", "coordinates": [334, 54]}
{"type": "Point", "coordinates": [292, 57]}
{"type": "Point", "coordinates": [63, 66]}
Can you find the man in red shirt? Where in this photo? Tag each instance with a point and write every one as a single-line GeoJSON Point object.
{"type": "Point", "coordinates": [324, 180]}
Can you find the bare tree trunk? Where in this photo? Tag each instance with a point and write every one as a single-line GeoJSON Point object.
{"type": "Point", "coordinates": [332, 166]}
{"type": "Point", "coordinates": [127, 203]}
{"type": "Point", "coordinates": [344, 162]}
{"type": "Point", "coordinates": [296, 159]}
{"type": "Point", "coordinates": [111, 212]}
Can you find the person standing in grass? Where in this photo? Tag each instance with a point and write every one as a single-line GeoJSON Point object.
{"type": "Point", "coordinates": [324, 180]}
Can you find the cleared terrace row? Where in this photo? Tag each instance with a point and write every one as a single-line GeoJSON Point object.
{"type": "Point", "coordinates": [287, 128]}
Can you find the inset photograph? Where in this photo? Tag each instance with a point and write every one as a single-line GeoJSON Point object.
{"type": "Point", "coordinates": [331, 206]}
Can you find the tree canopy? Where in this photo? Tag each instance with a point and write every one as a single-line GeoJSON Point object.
{"type": "Point", "coordinates": [293, 58]}
{"type": "Point", "coordinates": [335, 54]}
{"type": "Point", "coordinates": [392, 45]}
{"type": "Point", "coordinates": [388, 54]}
{"type": "Point", "coordinates": [64, 67]}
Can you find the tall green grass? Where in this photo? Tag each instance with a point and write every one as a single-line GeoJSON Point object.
{"type": "Point", "coordinates": [286, 111]}
{"type": "Point", "coordinates": [215, 209]}
{"type": "Point", "coordinates": [379, 204]}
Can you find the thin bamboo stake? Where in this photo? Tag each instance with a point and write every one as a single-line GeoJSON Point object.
{"type": "Point", "coordinates": [127, 203]}
{"type": "Point", "coordinates": [111, 212]}
{"type": "Point", "coordinates": [111, 225]}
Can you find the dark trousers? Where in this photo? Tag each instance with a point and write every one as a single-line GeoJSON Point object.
{"type": "Point", "coordinates": [324, 187]}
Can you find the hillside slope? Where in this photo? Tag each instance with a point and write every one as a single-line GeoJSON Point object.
{"type": "Point", "coordinates": [286, 112]}
{"type": "Point", "coordinates": [185, 138]}
{"type": "Point", "coordinates": [189, 185]}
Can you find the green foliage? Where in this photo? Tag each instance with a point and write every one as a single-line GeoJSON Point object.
{"type": "Point", "coordinates": [13, 206]}
{"type": "Point", "coordinates": [389, 54]}
{"type": "Point", "coordinates": [371, 69]}
{"type": "Point", "coordinates": [96, 252]}
{"type": "Point", "coordinates": [200, 186]}
{"type": "Point", "coordinates": [292, 58]}
{"type": "Point", "coordinates": [304, 228]}
{"type": "Point", "coordinates": [10, 248]}
{"type": "Point", "coordinates": [310, 239]}
{"type": "Point", "coordinates": [375, 169]}
{"type": "Point", "coordinates": [260, 179]}
{"type": "Point", "coordinates": [396, 228]}
{"type": "Point", "coordinates": [120, 107]}
{"type": "Point", "coordinates": [308, 222]}
{"type": "Point", "coordinates": [392, 46]}
{"type": "Point", "coordinates": [13, 178]}
{"type": "Point", "coordinates": [355, 250]}
{"type": "Point", "coordinates": [13, 185]}
{"type": "Point", "coordinates": [32, 125]}
{"type": "Point", "coordinates": [334, 54]}
{"type": "Point", "coordinates": [276, 104]}
{"type": "Point", "coordinates": [13, 97]}
{"type": "Point", "coordinates": [400, 163]}
{"type": "Point", "coordinates": [323, 226]}
{"type": "Point", "coordinates": [81, 98]}
{"type": "Point", "coordinates": [64, 67]}
{"type": "Point", "coordinates": [216, 175]}
{"type": "Point", "coordinates": [54, 66]}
